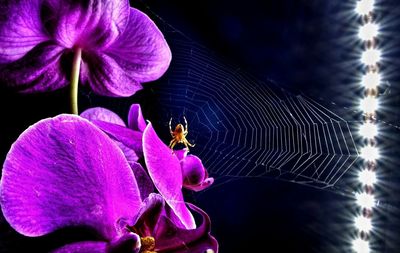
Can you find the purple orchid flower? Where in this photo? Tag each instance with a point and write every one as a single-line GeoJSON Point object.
{"type": "Point", "coordinates": [64, 172]}
{"type": "Point", "coordinates": [120, 46]}
{"type": "Point", "coordinates": [192, 171]}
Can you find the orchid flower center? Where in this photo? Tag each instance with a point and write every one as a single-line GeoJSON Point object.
{"type": "Point", "coordinates": [148, 244]}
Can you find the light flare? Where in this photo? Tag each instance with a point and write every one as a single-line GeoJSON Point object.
{"type": "Point", "coordinates": [364, 7]}
{"type": "Point", "coordinates": [371, 56]}
{"type": "Point", "coordinates": [367, 177]}
{"type": "Point", "coordinates": [368, 130]}
{"type": "Point", "coordinates": [365, 200]}
{"type": "Point", "coordinates": [371, 80]}
{"type": "Point", "coordinates": [369, 104]}
{"type": "Point", "coordinates": [361, 246]}
{"type": "Point", "coordinates": [363, 223]}
{"type": "Point", "coordinates": [369, 153]}
{"type": "Point", "coordinates": [369, 31]}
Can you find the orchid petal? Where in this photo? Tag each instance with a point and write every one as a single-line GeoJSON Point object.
{"type": "Point", "coordinates": [144, 182]}
{"type": "Point", "coordinates": [126, 243]}
{"type": "Point", "coordinates": [153, 207]}
{"type": "Point", "coordinates": [181, 153]}
{"type": "Point", "coordinates": [83, 247]}
{"type": "Point", "coordinates": [88, 24]}
{"type": "Point", "coordinates": [103, 114]}
{"type": "Point", "coordinates": [164, 169]}
{"type": "Point", "coordinates": [149, 214]}
{"type": "Point", "coordinates": [20, 30]}
{"type": "Point", "coordinates": [141, 50]}
{"type": "Point", "coordinates": [107, 77]}
{"type": "Point", "coordinates": [129, 243]}
{"type": "Point", "coordinates": [178, 240]}
{"type": "Point", "coordinates": [195, 176]}
{"type": "Point", "coordinates": [203, 185]}
{"type": "Point", "coordinates": [38, 70]}
{"type": "Point", "coordinates": [135, 118]}
{"type": "Point", "coordinates": [193, 171]}
{"type": "Point", "coordinates": [129, 141]}
{"type": "Point", "coordinates": [62, 172]}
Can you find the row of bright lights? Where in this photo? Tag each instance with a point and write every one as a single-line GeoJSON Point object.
{"type": "Point", "coordinates": [370, 58]}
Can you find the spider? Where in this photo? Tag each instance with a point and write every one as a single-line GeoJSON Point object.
{"type": "Point", "coordinates": [179, 135]}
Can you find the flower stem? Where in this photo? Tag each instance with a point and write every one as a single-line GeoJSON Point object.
{"type": "Point", "coordinates": [76, 65]}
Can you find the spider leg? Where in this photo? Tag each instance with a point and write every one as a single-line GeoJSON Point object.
{"type": "Point", "coordinates": [186, 125]}
{"type": "Point", "coordinates": [172, 143]}
{"type": "Point", "coordinates": [188, 143]}
{"type": "Point", "coordinates": [185, 133]}
{"type": "Point", "coordinates": [170, 128]}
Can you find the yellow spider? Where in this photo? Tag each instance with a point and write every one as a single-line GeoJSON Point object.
{"type": "Point", "coordinates": [179, 135]}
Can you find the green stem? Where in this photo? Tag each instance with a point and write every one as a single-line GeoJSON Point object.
{"type": "Point", "coordinates": [76, 65]}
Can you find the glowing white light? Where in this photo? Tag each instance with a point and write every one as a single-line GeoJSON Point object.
{"type": "Point", "coordinates": [371, 56]}
{"type": "Point", "coordinates": [371, 80]}
{"type": "Point", "coordinates": [361, 246]}
{"type": "Point", "coordinates": [365, 200]}
{"type": "Point", "coordinates": [368, 130]}
{"type": "Point", "coordinates": [363, 223]}
{"type": "Point", "coordinates": [364, 7]}
{"type": "Point", "coordinates": [367, 177]}
{"type": "Point", "coordinates": [369, 153]}
{"type": "Point", "coordinates": [369, 104]}
{"type": "Point", "coordinates": [368, 31]}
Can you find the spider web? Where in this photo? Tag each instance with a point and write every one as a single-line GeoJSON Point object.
{"type": "Point", "coordinates": [245, 127]}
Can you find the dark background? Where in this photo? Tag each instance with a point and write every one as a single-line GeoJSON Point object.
{"type": "Point", "coordinates": [307, 47]}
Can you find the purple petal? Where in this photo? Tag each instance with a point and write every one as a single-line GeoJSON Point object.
{"type": "Point", "coordinates": [129, 243]}
{"type": "Point", "coordinates": [143, 180]}
{"type": "Point", "coordinates": [149, 214]}
{"type": "Point", "coordinates": [83, 247]}
{"type": "Point", "coordinates": [192, 170]}
{"type": "Point", "coordinates": [64, 171]}
{"type": "Point", "coordinates": [195, 176]}
{"type": "Point", "coordinates": [129, 141]}
{"type": "Point", "coordinates": [130, 154]}
{"type": "Point", "coordinates": [141, 50]}
{"type": "Point", "coordinates": [147, 218]}
{"type": "Point", "coordinates": [181, 153]}
{"type": "Point", "coordinates": [103, 114]}
{"type": "Point", "coordinates": [135, 118]}
{"type": "Point", "coordinates": [170, 238]}
{"type": "Point", "coordinates": [165, 171]}
{"type": "Point", "coordinates": [107, 77]}
{"type": "Point", "coordinates": [39, 70]}
{"type": "Point", "coordinates": [91, 25]}
{"type": "Point", "coordinates": [203, 185]}
{"type": "Point", "coordinates": [20, 29]}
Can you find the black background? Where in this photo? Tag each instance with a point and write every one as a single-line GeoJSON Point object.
{"type": "Point", "coordinates": [307, 46]}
